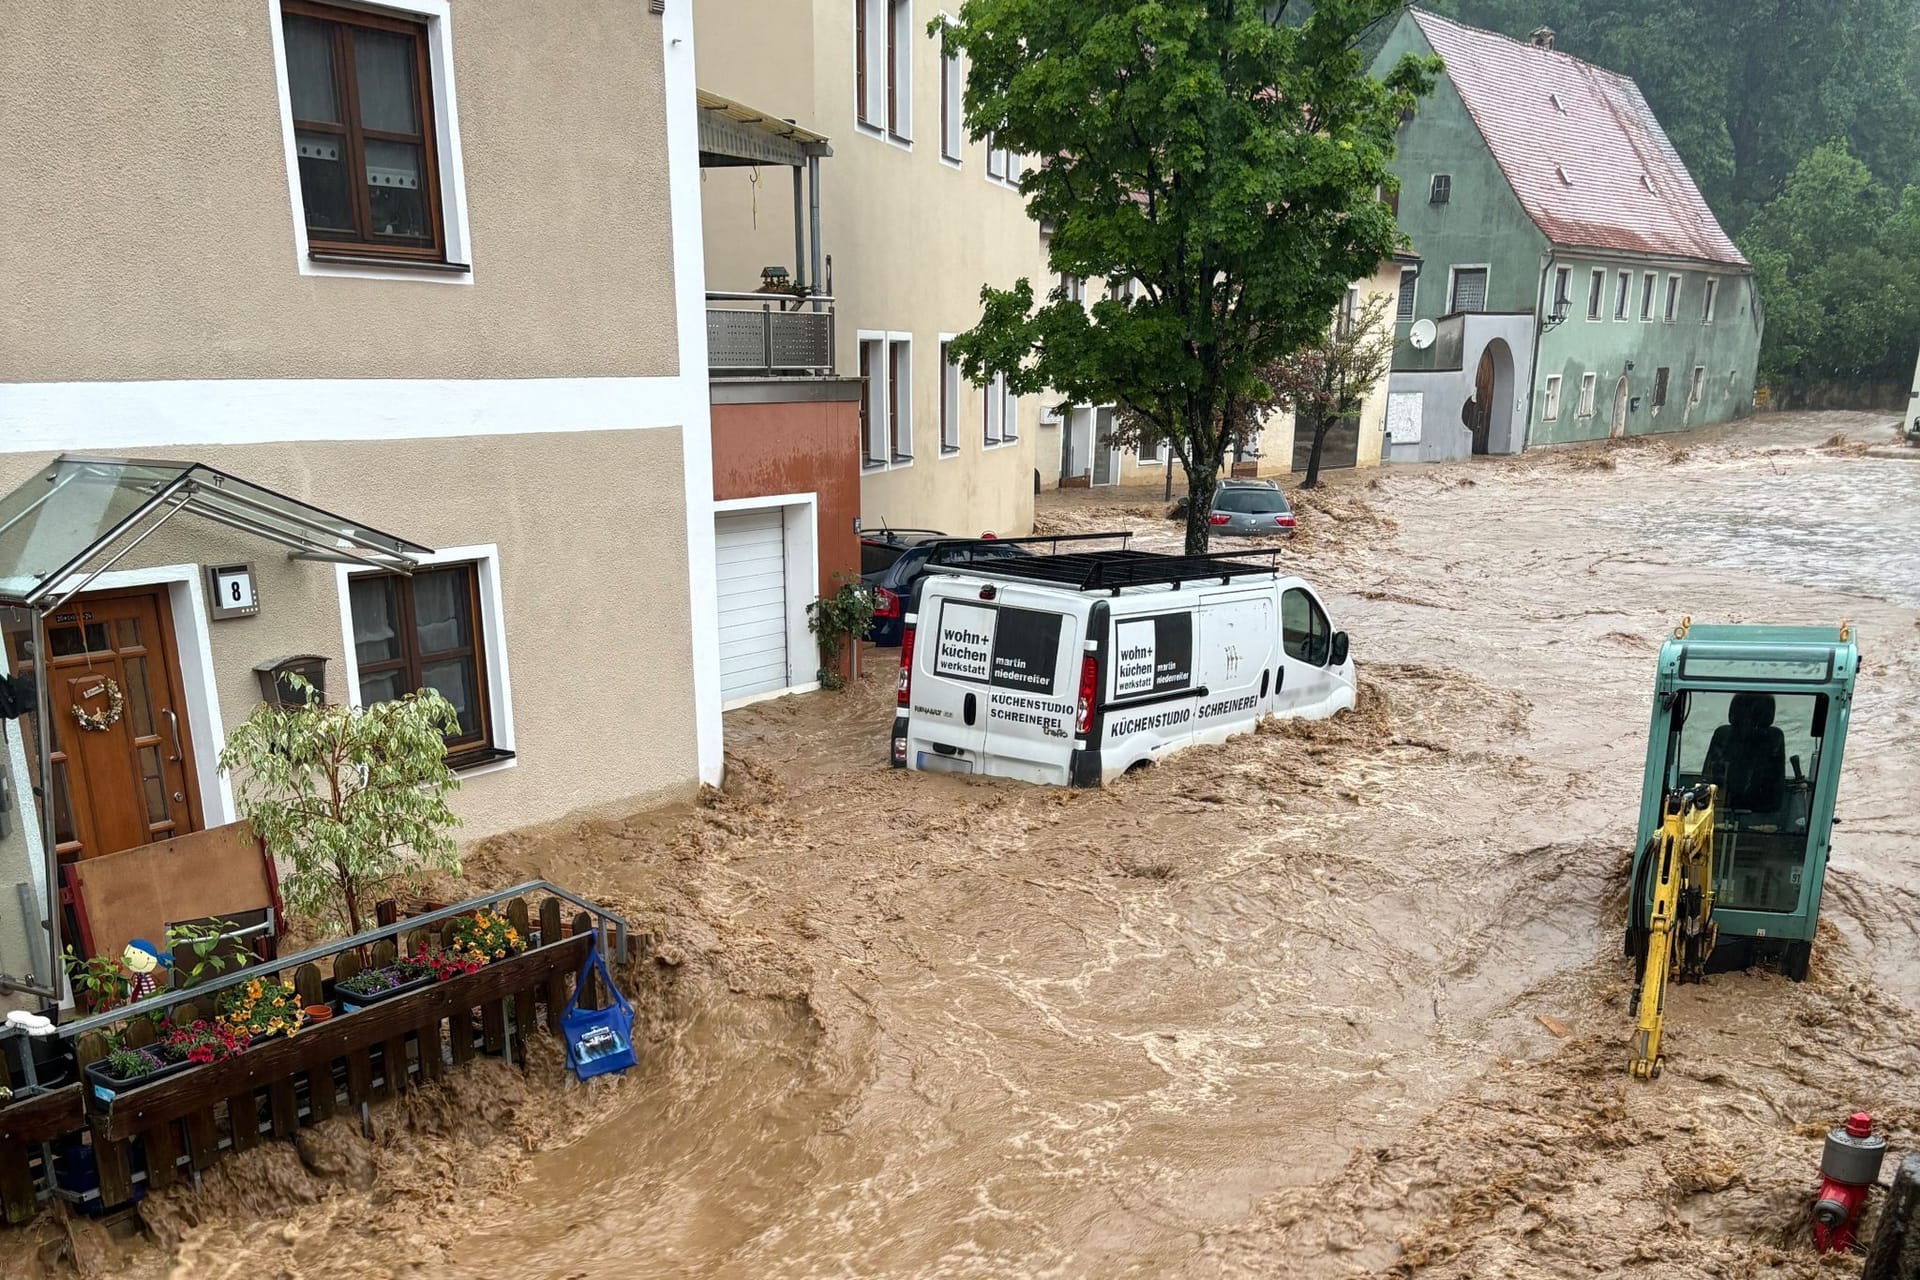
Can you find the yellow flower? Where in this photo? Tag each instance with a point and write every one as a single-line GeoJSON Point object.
{"type": "Point", "coordinates": [253, 989]}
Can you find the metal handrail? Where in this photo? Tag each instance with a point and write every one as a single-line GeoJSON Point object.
{"type": "Point", "coordinates": [724, 295]}
{"type": "Point", "coordinates": [162, 1001]}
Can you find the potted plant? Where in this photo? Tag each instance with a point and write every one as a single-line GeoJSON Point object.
{"type": "Point", "coordinates": [485, 936]}
{"type": "Point", "coordinates": [371, 986]}
{"type": "Point", "coordinates": [124, 1069]}
{"type": "Point", "coordinates": [263, 1007]}
{"type": "Point", "coordinates": [352, 800]}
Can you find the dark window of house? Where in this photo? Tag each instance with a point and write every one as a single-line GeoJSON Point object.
{"type": "Point", "coordinates": [1304, 632]}
{"type": "Point", "coordinates": [1469, 289]}
{"type": "Point", "coordinates": [1442, 188]}
{"type": "Point", "coordinates": [423, 632]}
{"type": "Point", "coordinates": [1659, 387]}
{"type": "Point", "coordinates": [1562, 292]}
{"type": "Point", "coordinates": [1596, 294]}
{"type": "Point", "coordinates": [363, 130]}
{"type": "Point", "coordinates": [1409, 282]}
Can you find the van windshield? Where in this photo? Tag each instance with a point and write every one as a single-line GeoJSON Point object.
{"type": "Point", "coordinates": [1254, 502]}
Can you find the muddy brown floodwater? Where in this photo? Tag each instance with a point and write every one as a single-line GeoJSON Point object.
{"type": "Point", "coordinates": [1267, 1009]}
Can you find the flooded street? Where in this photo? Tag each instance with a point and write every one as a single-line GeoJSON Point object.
{"type": "Point", "coordinates": [1271, 1008]}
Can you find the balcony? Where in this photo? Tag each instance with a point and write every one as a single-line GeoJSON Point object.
{"type": "Point", "coordinates": [769, 335]}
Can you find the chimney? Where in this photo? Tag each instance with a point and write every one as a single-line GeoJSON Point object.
{"type": "Point", "coordinates": [1542, 38]}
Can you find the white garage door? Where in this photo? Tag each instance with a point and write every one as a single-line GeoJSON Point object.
{"type": "Point", "coordinates": [751, 554]}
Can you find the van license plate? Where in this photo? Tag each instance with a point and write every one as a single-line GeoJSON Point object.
{"type": "Point", "coordinates": [934, 762]}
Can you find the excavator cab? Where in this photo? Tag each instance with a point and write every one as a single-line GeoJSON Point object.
{"type": "Point", "coordinates": [1759, 714]}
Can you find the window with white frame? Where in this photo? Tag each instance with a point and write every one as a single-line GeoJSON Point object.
{"type": "Point", "coordinates": [1153, 447]}
{"type": "Point", "coordinates": [371, 136]}
{"type": "Point", "coordinates": [1073, 288]}
{"type": "Point", "coordinates": [1009, 411]}
{"type": "Point", "coordinates": [1469, 291]}
{"type": "Point", "coordinates": [883, 65]}
{"type": "Point", "coordinates": [1706, 306]}
{"type": "Point", "coordinates": [1596, 293]}
{"type": "Point", "coordinates": [1409, 291]}
{"type": "Point", "coordinates": [438, 629]}
{"type": "Point", "coordinates": [874, 432]}
{"type": "Point", "coordinates": [1673, 299]}
{"type": "Point", "coordinates": [1585, 409]}
{"type": "Point", "coordinates": [992, 406]}
{"type": "Point", "coordinates": [1699, 386]}
{"type": "Point", "coordinates": [949, 400]}
{"type": "Point", "coordinates": [1550, 412]}
{"type": "Point", "coordinates": [1647, 285]}
{"type": "Point", "coordinates": [1003, 166]}
{"type": "Point", "coordinates": [900, 397]}
{"type": "Point", "coordinates": [950, 107]}
{"type": "Point", "coordinates": [1348, 316]}
{"type": "Point", "coordinates": [1562, 292]}
{"type": "Point", "coordinates": [1623, 300]}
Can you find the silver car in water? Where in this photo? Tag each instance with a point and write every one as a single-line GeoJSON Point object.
{"type": "Point", "coordinates": [1251, 508]}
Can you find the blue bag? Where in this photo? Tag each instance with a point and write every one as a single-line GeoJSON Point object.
{"type": "Point", "coordinates": [598, 1040]}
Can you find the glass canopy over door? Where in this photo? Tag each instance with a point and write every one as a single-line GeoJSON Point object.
{"type": "Point", "coordinates": [73, 521]}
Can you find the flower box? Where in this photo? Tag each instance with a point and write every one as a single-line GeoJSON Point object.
{"type": "Point", "coordinates": [105, 1085]}
{"type": "Point", "coordinates": [351, 1001]}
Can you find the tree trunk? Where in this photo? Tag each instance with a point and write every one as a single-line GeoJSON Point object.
{"type": "Point", "coordinates": [1319, 427]}
{"type": "Point", "coordinates": [1203, 478]}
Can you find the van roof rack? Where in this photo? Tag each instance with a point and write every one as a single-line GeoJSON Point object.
{"type": "Point", "coordinates": [1114, 569]}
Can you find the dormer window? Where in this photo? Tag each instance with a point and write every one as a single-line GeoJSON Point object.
{"type": "Point", "coordinates": [1647, 182]}
{"type": "Point", "coordinates": [1566, 179]}
{"type": "Point", "coordinates": [1558, 105]}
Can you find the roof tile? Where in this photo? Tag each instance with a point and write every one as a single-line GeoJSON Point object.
{"type": "Point", "coordinates": [1625, 187]}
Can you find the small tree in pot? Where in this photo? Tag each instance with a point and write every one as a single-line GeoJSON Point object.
{"type": "Point", "coordinates": [352, 799]}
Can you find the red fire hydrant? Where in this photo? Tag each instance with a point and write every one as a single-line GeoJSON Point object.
{"type": "Point", "coordinates": [1849, 1167]}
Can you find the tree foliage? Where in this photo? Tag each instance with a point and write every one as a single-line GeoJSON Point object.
{"type": "Point", "coordinates": [1752, 93]}
{"type": "Point", "coordinates": [1838, 260]}
{"type": "Point", "coordinates": [1225, 155]}
{"type": "Point", "coordinates": [1326, 384]}
{"type": "Point", "coordinates": [352, 799]}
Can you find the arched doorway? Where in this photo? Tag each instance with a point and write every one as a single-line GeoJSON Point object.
{"type": "Point", "coordinates": [1491, 418]}
{"type": "Point", "coordinates": [1620, 402]}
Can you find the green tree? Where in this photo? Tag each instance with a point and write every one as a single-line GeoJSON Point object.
{"type": "Point", "coordinates": [1226, 156]}
{"type": "Point", "coordinates": [1838, 261]}
{"type": "Point", "coordinates": [352, 799]}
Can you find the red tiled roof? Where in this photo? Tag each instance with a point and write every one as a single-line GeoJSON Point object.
{"type": "Point", "coordinates": [1602, 135]}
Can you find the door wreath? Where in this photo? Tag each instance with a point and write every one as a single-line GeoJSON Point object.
{"type": "Point", "coordinates": [104, 719]}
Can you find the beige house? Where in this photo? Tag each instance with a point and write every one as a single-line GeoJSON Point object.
{"type": "Point", "coordinates": [913, 218]}
{"type": "Point", "coordinates": [402, 303]}
{"type": "Point", "coordinates": [1076, 450]}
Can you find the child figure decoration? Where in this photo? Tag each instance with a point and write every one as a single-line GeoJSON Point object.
{"type": "Point", "coordinates": [142, 958]}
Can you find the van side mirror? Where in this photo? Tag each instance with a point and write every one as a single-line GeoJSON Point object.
{"type": "Point", "coordinates": [1337, 655]}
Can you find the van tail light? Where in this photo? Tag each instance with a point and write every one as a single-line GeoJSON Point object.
{"type": "Point", "coordinates": [988, 535]}
{"type": "Point", "coordinates": [1218, 517]}
{"type": "Point", "coordinates": [1284, 521]}
{"type": "Point", "coordinates": [886, 604]}
{"type": "Point", "coordinates": [1089, 680]}
{"type": "Point", "coordinates": [906, 667]}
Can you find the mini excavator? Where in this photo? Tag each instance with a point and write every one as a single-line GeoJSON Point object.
{"type": "Point", "coordinates": [1736, 808]}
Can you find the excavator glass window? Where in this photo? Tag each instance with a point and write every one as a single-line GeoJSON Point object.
{"type": "Point", "coordinates": [1762, 750]}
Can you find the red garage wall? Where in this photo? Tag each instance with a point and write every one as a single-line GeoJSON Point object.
{"type": "Point", "coordinates": [773, 436]}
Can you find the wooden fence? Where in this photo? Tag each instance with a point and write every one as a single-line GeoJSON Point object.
{"type": "Point", "coordinates": [190, 1120]}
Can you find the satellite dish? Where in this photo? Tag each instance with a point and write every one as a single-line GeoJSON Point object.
{"type": "Point", "coordinates": [1422, 334]}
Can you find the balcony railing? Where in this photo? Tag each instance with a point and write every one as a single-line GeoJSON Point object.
{"type": "Point", "coordinates": [767, 334]}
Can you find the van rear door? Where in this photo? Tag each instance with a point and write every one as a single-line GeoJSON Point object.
{"type": "Point", "coordinates": [993, 680]}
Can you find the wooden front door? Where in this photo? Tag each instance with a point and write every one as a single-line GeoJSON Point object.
{"type": "Point", "coordinates": [1480, 423]}
{"type": "Point", "coordinates": [122, 759]}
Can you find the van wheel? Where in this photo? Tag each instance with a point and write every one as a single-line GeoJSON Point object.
{"type": "Point", "coordinates": [1138, 765]}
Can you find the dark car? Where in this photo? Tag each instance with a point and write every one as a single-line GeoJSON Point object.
{"type": "Point", "coordinates": [891, 560]}
{"type": "Point", "coordinates": [1251, 508]}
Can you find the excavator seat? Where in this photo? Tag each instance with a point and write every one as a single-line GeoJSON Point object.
{"type": "Point", "coordinates": [1747, 756]}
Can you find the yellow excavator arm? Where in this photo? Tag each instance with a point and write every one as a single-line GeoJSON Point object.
{"type": "Point", "coordinates": [1680, 929]}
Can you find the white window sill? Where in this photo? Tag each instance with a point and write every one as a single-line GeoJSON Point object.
{"type": "Point", "coordinates": [949, 451]}
{"type": "Point", "coordinates": [951, 163]}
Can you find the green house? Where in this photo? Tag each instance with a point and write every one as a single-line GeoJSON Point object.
{"type": "Point", "coordinates": [1572, 282]}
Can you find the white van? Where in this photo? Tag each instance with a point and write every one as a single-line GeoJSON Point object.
{"type": "Point", "coordinates": [1072, 669]}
